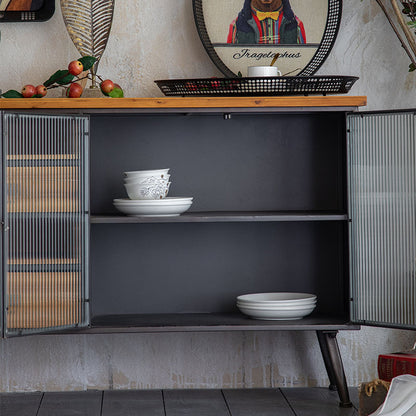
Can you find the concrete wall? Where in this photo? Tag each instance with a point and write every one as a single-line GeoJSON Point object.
{"type": "Point", "coordinates": [136, 55]}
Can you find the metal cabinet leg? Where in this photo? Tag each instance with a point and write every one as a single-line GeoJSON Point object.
{"type": "Point", "coordinates": [333, 364]}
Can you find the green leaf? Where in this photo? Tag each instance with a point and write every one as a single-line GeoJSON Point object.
{"type": "Point", "coordinates": [12, 94]}
{"type": "Point", "coordinates": [87, 62]}
{"type": "Point", "coordinates": [60, 77]}
{"type": "Point", "coordinates": [412, 67]}
{"type": "Point", "coordinates": [116, 93]}
{"type": "Point", "coordinates": [239, 74]}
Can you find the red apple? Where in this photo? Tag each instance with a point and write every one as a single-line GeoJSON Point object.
{"type": "Point", "coordinates": [41, 90]}
{"type": "Point", "coordinates": [74, 90]}
{"type": "Point", "coordinates": [75, 67]}
{"type": "Point", "coordinates": [28, 91]}
{"type": "Point", "coordinates": [117, 92]}
{"type": "Point", "coordinates": [107, 86]}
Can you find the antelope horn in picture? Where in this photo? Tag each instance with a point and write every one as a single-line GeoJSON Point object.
{"type": "Point", "coordinates": [89, 23]}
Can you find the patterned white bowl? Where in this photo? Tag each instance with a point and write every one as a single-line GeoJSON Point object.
{"type": "Point", "coordinates": [138, 180]}
{"type": "Point", "coordinates": [140, 174]}
{"type": "Point", "coordinates": [149, 188]}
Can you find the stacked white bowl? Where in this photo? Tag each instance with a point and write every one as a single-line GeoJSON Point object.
{"type": "Point", "coordinates": [277, 306]}
{"type": "Point", "coordinates": [147, 184]}
{"type": "Point", "coordinates": [147, 191]}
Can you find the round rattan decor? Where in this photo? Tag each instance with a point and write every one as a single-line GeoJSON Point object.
{"type": "Point", "coordinates": [303, 33]}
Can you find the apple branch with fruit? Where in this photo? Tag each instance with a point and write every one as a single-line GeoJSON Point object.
{"type": "Point", "coordinates": [68, 78]}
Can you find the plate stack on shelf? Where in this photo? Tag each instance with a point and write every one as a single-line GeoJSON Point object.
{"type": "Point", "coordinates": [147, 191]}
{"type": "Point", "coordinates": [277, 306]}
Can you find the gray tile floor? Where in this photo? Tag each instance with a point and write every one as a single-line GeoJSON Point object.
{"type": "Point", "coordinates": [233, 402]}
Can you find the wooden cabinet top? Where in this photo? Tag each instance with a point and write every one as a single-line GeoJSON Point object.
{"type": "Point", "coordinates": [170, 103]}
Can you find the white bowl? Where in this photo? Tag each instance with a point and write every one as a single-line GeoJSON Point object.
{"type": "Point", "coordinates": [263, 71]}
{"type": "Point", "coordinates": [159, 173]}
{"type": "Point", "coordinates": [276, 314]}
{"type": "Point", "coordinates": [277, 298]}
{"type": "Point", "coordinates": [150, 188]}
{"type": "Point", "coordinates": [168, 207]}
{"type": "Point", "coordinates": [138, 180]}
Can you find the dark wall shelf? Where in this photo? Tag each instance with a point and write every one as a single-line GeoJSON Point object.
{"type": "Point", "coordinates": [220, 217]}
{"type": "Point", "coordinates": [211, 322]}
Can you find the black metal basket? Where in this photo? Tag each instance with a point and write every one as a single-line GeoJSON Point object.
{"type": "Point", "coordinates": [259, 86]}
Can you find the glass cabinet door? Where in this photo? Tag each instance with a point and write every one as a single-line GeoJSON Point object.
{"type": "Point", "coordinates": [45, 222]}
{"type": "Point", "coordinates": [382, 189]}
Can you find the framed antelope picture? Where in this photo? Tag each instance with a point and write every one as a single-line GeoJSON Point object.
{"type": "Point", "coordinates": [242, 33]}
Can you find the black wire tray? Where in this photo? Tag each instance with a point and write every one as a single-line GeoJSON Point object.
{"type": "Point", "coordinates": [263, 86]}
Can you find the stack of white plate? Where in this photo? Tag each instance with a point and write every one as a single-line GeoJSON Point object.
{"type": "Point", "coordinates": [277, 306]}
{"type": "Point", "coordinates": [147, 191]}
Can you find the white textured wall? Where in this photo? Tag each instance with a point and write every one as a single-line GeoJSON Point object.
{"type": "Point", "coordinates": [137, 54]}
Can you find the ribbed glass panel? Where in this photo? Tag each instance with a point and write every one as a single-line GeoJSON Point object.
{"type": "Point", "coordinates": [382, 187]}
{"type": "Point", "coordinates": [46, 203]}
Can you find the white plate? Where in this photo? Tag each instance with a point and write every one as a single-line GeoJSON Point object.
{"type": "Point", "coordinates": [275, 304]}
{"type": "Point", "coordinates": [154, 209]}
{"type": "Point", "coordinates": [276, 315]}
{"type": "Point", "coordinates": [277, 297]}
{"type": "Point", "coordinates": [157, 202]}
{"type": "Point", "coordinates": [277, 307]}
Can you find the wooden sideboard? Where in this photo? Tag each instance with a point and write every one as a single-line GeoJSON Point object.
{"type": "Point", "coordinates": [269, 177]}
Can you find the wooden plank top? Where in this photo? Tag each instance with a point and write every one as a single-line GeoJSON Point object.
{"type": "Point", "coordinates": [183, 102]}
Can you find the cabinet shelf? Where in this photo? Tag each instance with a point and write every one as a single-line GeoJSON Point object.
{"type": "Point", "coordinates": [65, 214]}
{"type": "Point", "coordinates": [32, 157]}
{"type": "Point", "coordinates": [256, 216]}
{"type": "Point", "coordinates": [42, 261]}
{"type": "Point", "coordinates": [46, 161]}
{"type": "Point", "coordinates": [43, 268]}
{"type": "Point", "coordinates": [208, 322]}
{"type": "Point", "coordinates": [40, 265]}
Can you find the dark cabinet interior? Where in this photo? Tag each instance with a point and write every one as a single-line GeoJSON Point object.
{"type": "Point", "coordinates": [202, 268]}
{"type": "Point", "coordinates": [269, 212]}
{"type": "Point", "coordinates": [251, 162]}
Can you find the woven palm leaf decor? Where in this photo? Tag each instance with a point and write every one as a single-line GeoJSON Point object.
{"type": "Point", "coordinates": [89, 23]}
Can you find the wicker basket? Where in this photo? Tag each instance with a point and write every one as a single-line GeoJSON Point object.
{"type": "Point", "coordinates": [261, 86]}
